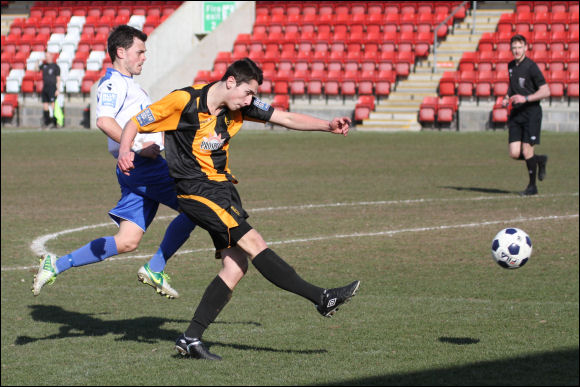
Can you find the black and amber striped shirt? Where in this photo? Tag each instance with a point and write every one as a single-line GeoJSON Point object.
{"type": "Point", "coordinates": [197, 142]}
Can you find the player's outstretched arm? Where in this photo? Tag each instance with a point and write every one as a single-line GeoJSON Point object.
{"type": "Point", "coordinates": [126, 156]}
{"type": "Point", "coordinates": [297, 121]}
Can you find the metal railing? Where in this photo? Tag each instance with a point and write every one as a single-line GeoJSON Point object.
{"type": "Point", "coordinates": [444, 22]}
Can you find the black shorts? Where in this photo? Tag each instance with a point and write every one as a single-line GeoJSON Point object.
{"type": "Point", "coordinates": [48, 93]}
{"type": "Point", "coordinates": [525, 125]}
{"type": "Point", "coordinates": [216, 207]}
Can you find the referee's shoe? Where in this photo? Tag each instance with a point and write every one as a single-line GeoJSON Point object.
{"type": "Point", "coordinates": [194, 348]}
{"type": "Point", "coordinates": [333, 298]}
{"type": "Point", "coordinates": [530, 190]}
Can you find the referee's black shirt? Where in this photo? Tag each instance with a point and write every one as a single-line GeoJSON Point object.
{"type": "Point", "coordinates": [525, 79]}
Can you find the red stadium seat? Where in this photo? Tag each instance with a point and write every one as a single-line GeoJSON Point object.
{"type": "Point", "coordinates": [523, 22]}
{"type": "Point", "coordinates": [423, 43]}
{"type": "Point", "coordinates": [9, 105]}
{"type": "Point", "coordinates": [446, 108]}
{"type": "Point", "coordinates": [485, 80]}
{"type": "Point", "coordinates": [281, 81]}
{"type": "Point", "coordinates": [486, 60]}
{"type": "Point", "coordinates": [447, 83]}
{"type": "Point", "coordinates": [405, 61]}
{"type": "Point", "coordinates": [506, 23]}
{"type": "Point", "coordinates": [540, 40]}
{"type": "Point", "coordinates": [557, 59]}
{"type": "Point", "coordinates": [428, 110]}
{"type": "Point", "coordinates": [487, 42]}
{"type": "Point", "coordinates": [501, 84]}
{"type": "Point", "coordinates": [465, 83]}
{"type": "Point", "coordinates": [383, 82]}
{"type": "Point", "coordinates": [314, 86]}
{"type": "Point", "coordinates": [365, 104]}
{"type": "Point", "coordinates": [559, 21]}
{"type": "Point", "coordinates": [558, 40]}
{"type": "Point", "coordinates": [557, 81]}
{"type": "Point", "coordinates": [468, 61]}
{"type": "Point", "coordinates": [349, 83]}
{"type": "Point", "coordinates": [499, 114]}
{"type": "Point", "coordinates": [202, 76]}
{"type": "Point", "coordinates": [281, 101]}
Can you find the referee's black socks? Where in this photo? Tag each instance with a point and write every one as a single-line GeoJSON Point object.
{"type": "Point", "coordinates": [532, 165]}
{"type": "Point", "coordinates": [277, 271]}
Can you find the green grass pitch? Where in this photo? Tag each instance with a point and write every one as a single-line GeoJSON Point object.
{"type": "Point", "coordinates": [412, 215]}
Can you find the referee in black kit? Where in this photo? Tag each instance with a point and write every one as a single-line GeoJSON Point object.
{"type": "Point", "coordinates": [527, 87]}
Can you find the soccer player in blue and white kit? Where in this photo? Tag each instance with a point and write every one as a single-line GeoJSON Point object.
{"type": "Point", "coordinates": [119, 98]}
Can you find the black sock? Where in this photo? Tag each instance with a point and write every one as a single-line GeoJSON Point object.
{"type": "Point", "coordinates": [532, 165]}
{"type": "Point", "coordinates": [216, 296]}
{"type": "Point", "coordinates": [277, 271]}
{"type": "Point", "coordinates": [46, 117]}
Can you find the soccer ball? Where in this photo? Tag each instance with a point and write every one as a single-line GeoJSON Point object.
{"type": "Point", "coordinates": [511, 248]}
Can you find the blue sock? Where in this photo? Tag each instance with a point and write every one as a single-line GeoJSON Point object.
{"type": "Point", "coordinates": [92, 252]}
{"type": "Point", "coordinates": [176, 234]}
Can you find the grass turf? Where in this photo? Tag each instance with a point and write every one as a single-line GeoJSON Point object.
{"type": "Point", "coordinates": [411, 215]}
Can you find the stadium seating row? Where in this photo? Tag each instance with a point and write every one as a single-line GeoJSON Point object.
{"type": "Point", "coordinates": [271, 8]}
{"type": "Point", "coordinates": [487, 83]}
{"type": "Point", "coordinates": [77, 34]}
{"type": "Point", "coordinates": [438, 110]}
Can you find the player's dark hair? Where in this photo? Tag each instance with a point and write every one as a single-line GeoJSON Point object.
{"type": "Point", "coordinates": [244, 70]}
{"type": "Point", "coordinates": [123, 36]}
{"type": "Point", "coordinates": [518, 38]}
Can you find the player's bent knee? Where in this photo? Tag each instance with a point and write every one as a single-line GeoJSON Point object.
{"type": "Point", "coordinates": [126, 245]}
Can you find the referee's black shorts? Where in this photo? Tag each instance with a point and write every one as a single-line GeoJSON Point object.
{"type": "Point", "coordinates": [216, 207]}
{"type": "Point", "coordinates": [48, 93]}
{"type": "Point", "coordinates": [525, 124]}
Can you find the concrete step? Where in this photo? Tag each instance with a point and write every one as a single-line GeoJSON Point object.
{"type": "Point", "coordinates": [420, 77]}
{"type": "Point", "coordinates": [396, 110]}
{"type": "Point", "coordinates": [388, 127]}
{"type": "Point", "coordinates": [400, 105]}
{"type": "Point", "coordinates": [425, 87]}
{"type": "Point", "coordinates": [395, 115]}
{"type": "Point", "coordinates": [407, 96]}
{"type": "Point", "coordinates": [463, 39]}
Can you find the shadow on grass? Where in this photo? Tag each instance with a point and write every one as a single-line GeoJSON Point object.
{"type": "Point", "coordinates": [141, 329]}
{"type": "Point", "coordinates": [482, 190]}
{"type": "Point", "coordinates": [74, 324]}
{"type": "Point", "coordinates": [458, 340]}
{"type": "Point", "coordinates": [556, 368]}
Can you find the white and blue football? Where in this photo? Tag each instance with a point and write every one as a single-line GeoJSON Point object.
{"type": "Point", "coordinates": [511, 248]}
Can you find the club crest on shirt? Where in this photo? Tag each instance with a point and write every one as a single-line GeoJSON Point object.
{"type": "Point", "coordinates": [212, 143]}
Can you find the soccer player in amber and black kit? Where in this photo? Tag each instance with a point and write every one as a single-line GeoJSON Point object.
{"type": "Point", "coordinates": [199, 123]}
{"type": "Point", "coordinates": [527, 87]}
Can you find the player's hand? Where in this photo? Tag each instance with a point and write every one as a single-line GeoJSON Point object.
{"type": "Point", "coordinates": [505, 102]}
{"type": "Point", "coordinates": [340, 125]}
{"type": "Point", "coordinates": [517, 99]}
{"type": "Point", "coordinates": [125, 162]}
{"type": "Point", "coordinates": [151, 151]}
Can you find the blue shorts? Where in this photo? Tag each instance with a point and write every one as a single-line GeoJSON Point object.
{"type": "Point", "coordinates": [148, 185]}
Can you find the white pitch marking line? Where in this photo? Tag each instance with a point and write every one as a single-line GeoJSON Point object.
{"type": "Point", "coordinates": [39, 242]}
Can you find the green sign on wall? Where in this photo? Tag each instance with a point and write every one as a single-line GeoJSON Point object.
{"type": "Point", "coordinates": [214, 12]}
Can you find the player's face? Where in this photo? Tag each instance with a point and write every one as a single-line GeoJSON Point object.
{"type": "Point", "coordinates": [134, 57]}
{"type": "Point", "coordinates": [242, 94]}
{"type": "Point", "coordinates": [518, 51]}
